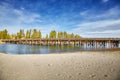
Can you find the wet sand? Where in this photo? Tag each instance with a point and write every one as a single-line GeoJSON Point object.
{"type": "Point", "coordinates": [69, 66]}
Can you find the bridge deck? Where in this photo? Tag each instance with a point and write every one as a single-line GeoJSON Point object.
{"type": "Point", "coordinates": [94, 42]}
{"type": "Point", "coordinates": [81, 39]}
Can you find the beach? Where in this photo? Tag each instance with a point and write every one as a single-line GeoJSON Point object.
{"type": "Point", "coordinates": [103, 65]}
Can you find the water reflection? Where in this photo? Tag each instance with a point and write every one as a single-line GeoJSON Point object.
{"type": "Point", "coordinates": [37, 49]}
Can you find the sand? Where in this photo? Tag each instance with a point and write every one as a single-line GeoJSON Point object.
{"type": "Point", "coordinates": [69, 66]}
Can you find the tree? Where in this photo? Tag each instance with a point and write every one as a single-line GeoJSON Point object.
{"type": "Point", "coordinates": [72, 36]}
{"type": "Point", "coordinates": [60, 35]}
{"type": "Point", "coordinates": [4, 34]}
{"type": "Point", "coordinates": [27, 34]}
{"type": "Point", "coordinates": [20, 34]}
{"type": "Point", "coordinates": [77, 36]}
{"type": "Point", "coordinates": [13, 36]}
{"type": "Point", "coordinates": [39, 35]}
{"type": "Point", "coordinates": [36, 34]}
{"type": "Point", "coordinates": [65, 34]}
{"type": "Point", "coordinates": [53, 34]}
{"type": "Point", "coordinates": [46, 36]}
{"type": "Point", "coordinates": [1, 34]}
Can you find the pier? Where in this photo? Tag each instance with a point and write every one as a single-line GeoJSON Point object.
{"type": "Point", "coordinates": [91, 42]}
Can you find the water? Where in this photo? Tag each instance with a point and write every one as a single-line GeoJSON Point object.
{"type": "Point", "coordinates": [37, 49]}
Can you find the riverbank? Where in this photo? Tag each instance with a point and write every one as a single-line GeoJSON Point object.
{"type": "Point", "coordinates": [69, 66]}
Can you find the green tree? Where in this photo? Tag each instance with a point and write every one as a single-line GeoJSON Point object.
{"type": "Point", "coordinates": [39, 35]}
{"type": "Point", "coordinates": [1, 34]}
{"type": "Point", "coordinates": [21, 34]}
{"type": "Point", "coordinates": [60, 35]}
{"type": "Point", "coordinates": [36, 34]}
{"type": "Point", "coordinates": [4, 34]}
{"type": "Point", "coordinates": [13, 36]}
{"type": "Point", "coordinates": [72, 36]}
{"type": "Point", "coordinates": [46, 36]}
{"type": "Point", "coordinates": [77, 36]}
{"type": "Point", "coordinates": [53, 34]}
{"type": "Point", "coordinates": [28, 34]}
{"type": "Point", "coordinates": [65, 34]}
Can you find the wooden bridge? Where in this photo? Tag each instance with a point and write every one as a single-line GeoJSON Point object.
{"type": "Point", "coordinates": [93, 42]}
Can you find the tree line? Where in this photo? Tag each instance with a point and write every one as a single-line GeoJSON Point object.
{"type": "Point", "coordinates": [36, 34]}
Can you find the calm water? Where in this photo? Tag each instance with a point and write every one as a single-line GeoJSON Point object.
{"type": "Point", "coordinates": [37, 49]}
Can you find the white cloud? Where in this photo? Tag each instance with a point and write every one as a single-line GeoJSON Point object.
{"type": "Point", "coordinates": [96, 24]}
{"type": "Point", "coordinates": [99, 28]}
{"type": "Point", "coordinates": [26, 17]}
{"type": "Point", "coordinates": [104, 32]}
{"type": "Point", "coordinates": [111, 13]}
{"type": "Point", "coordinates": [101, 23]}
{"type": "Point", "coordinates": [105, 1]}
{"type": "Point", "coordinates": [14, 19]}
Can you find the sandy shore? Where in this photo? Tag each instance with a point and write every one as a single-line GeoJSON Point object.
{"type": "Point", "coordinates": [69, 66]}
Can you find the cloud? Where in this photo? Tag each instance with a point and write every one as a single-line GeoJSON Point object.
{"type": "Point", "coordinates": [105, 1]}
{"type": "Point", "coordinates": [15, 19]}
{"type": "Point", "coordinates": [11, 18]}
{"type": "Point", "coordinates": [88, 23]}
{"type": "Point", "coordinates": [99, 23]}
{"type": "Point", "coordinates": [106, 33]}
{"type": "Point", "coordinates": [26, 17]}
{"type": "Point", "coordinates": [111, 13]}
{"type": "Point", "coordinates": [99, 28]}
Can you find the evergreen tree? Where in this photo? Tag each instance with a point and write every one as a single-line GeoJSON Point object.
{"type": "Point", "coordinates": [65, 34]}
{"type": "Point", "coordinates": [77, 36]}
{"type": "Point", "coordinates": [53, 34]}
{"type": "Point", "coordinates": [46, 36]}
{"type": "Point", "coordinates": [58, 36]}
{"type": "Point", "coordinates": [20, 34]}
{"type": "Point", "coordinates": [72, 36]}
{"type": "Point", "coordinates": [39, 35]}
{"type": "Point", "coordinates": [27, 34]}
{"type": "Point", "coordinates": [34, 34]}
{"type": "Point", "coordinates": [4, 34]}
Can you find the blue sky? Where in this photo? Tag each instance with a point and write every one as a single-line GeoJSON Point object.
{"type": "Point", "coordinates": [89, 18]}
